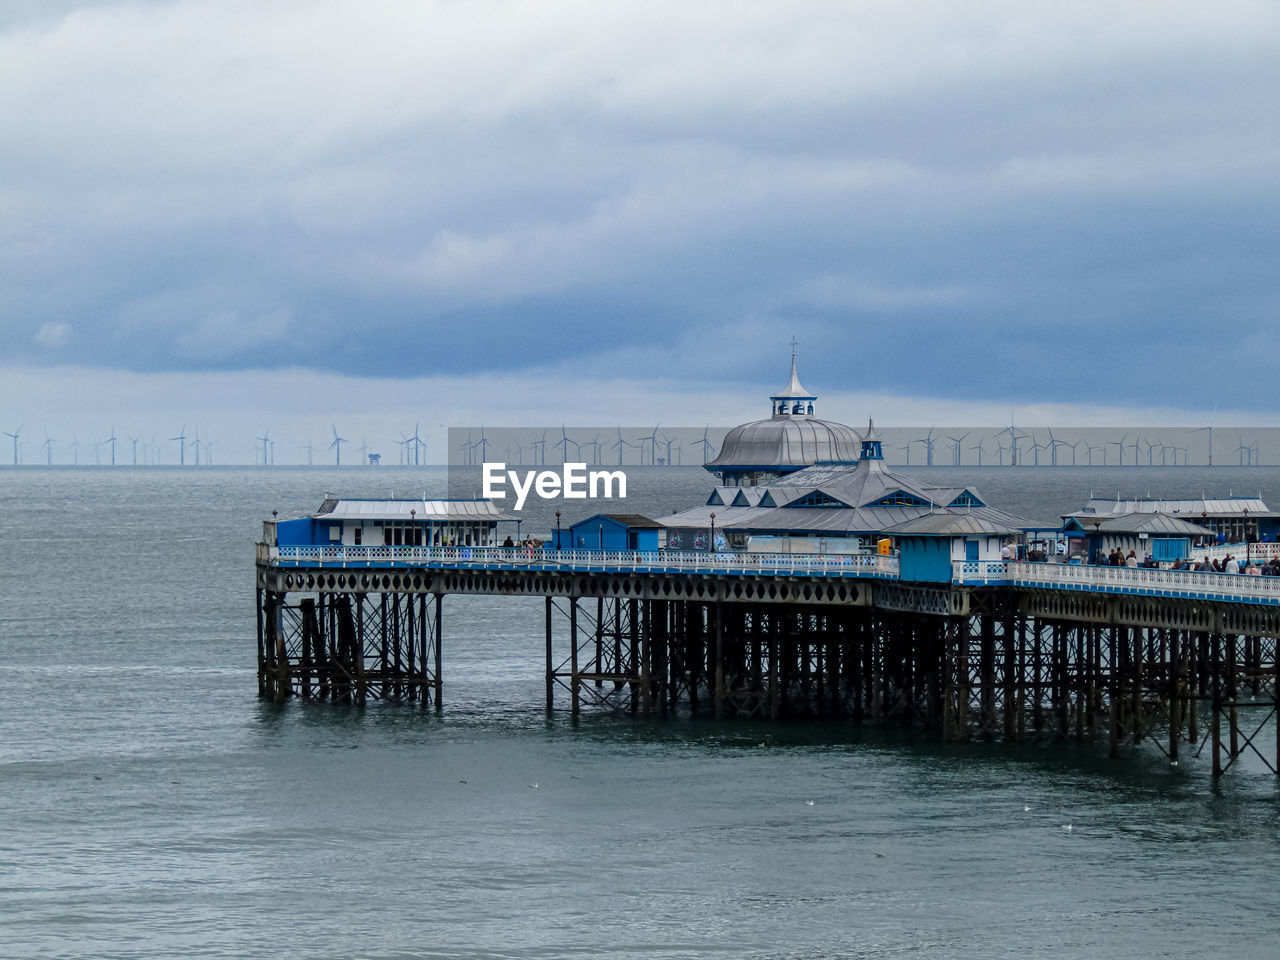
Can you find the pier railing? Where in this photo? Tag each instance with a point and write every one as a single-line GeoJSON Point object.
{"type": "Point", "coordinates": [1134, 580]}
{"type": "Point", "coordinates": [874, 566]}
{"type": "Point", "coordinates": [1104, 579]}
{"type": "Point", "coordinates": [1241, 551]}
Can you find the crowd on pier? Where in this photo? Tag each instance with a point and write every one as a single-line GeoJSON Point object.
{"type": "Point", "coordinates": [1225, 564]}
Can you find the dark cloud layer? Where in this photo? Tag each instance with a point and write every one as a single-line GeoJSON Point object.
{"type": "Point", "coordinates": [1044, 203]}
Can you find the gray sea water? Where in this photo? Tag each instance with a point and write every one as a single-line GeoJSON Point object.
{"type": "Point", "coordinates": [152, 806]}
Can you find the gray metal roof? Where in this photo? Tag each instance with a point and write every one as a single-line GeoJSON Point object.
{"type": "Point", "coordinates": [858, 485]}
{"type": "Point", "coordinates": [338, 509]}
{"type": "Point", "coordinates": [787, 441]}
{"type": "Point", "coordinates": [1195, 507]}
{"type": "Point", "coordinates": [978, 521]}
{"type": "Point", "coordinates": [793, 390]}
{"type": "Point", "coordinates": [1157, 523]}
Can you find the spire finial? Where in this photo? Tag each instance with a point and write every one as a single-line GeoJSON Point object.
{"type": "Point", "coordinates": [793, 352]}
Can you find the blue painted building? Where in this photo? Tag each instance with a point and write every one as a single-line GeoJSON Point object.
{"type": "Point", "coordinates": [609, 531]}
{"type": "Point", "coordinates": [392, 523]}
{"type": "Point", "coordinates": [1162, 537]}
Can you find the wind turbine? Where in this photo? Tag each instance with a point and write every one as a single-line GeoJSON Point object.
{"type": "Point", "coordinates": [468, 449]}
{"type": "Point", "coordinates": [955, 448]}
{"type": "Point", "coordinates": [621, 445]}
{"type": "Point", "coordinates": [483, 444]}
{"type": "Point", "coordinates": [1014, 437]}
{"type": "Point", "coordinates": [336, 445]}
{"type": "Point", "coordinates": [264, 440]}
{"type": "Point", "coordinates": [705, 444]}
{"type": "Point", "coordinates": [182, 445]}
{"type": "Point", "coordinates": [15, 435]}
{"type": "Point", "coordinates": [928, 447]}
{"type": "Point", "coordinates": [48, 448]}
{"type": "Point", "coordinates": [653, 446]}
{"type": "Point", "coordinates": [1054, 444]}
{"type": "Point", "coordinates": [112, 440]}
{"type": "Point", "coordinates": [563, 444]}
{"type": "Point", "coordinates": [1134, 446]}
{"type": "Point", "coordinates": [134, 440]}
{"type": "Point", "coordinates": [981, 450]}
{"type": "Point", "coordinates": [1036, 447]}
{"type": "Point", "coordinates": [1202, 430]}
{"type": "Point", "coordinates": [1117, 443]}
{"type": "Point", "coordinates": [1244, 450]}
{"type": "Point", "coordinates": [417, 444]}
{"type": "Point", "coordinates": [539, 449]}
{"type": "Point", "coordinates": [679, 450]}
{"type": "Point", "coordinates": [307, 447]}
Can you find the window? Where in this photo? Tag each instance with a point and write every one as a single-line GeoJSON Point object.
{"type": "Point", "coordinates": [900, 498]}
{"type": "Point", "coordinates": [817, 499]}
{"type": "Point", "coordinates": [967, 499]}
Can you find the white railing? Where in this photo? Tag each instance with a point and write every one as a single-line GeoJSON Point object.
{"type": "Point", "coordinates": [1147, 580]}
{"type": "Point", "coordinates": [980, 571]}
{"type": "Point", "coordinates": [867, 565]}
{"type": "Point", "coordinates": [1254, 551]}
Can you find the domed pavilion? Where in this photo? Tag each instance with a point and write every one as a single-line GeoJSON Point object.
{"type": "Point", "coordinates": [791, 439]}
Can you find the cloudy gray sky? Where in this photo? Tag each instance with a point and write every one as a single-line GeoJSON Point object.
{"type": "Point", "coordinates": [238, 213]}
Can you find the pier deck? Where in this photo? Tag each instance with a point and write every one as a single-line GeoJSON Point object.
{"type": "Point", "coordinates": [1006, 649]}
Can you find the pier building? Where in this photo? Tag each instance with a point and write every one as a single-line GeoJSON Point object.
{"type": "Point", "coordinates": [851, 507]}
{"type": "Point", "coordinates": [791, 439]}
{"type": "Point", "coordinates": [1230, 519]}
{"type": "Point", "coordinates": [939, 631]}
{"type": "Point", "coordinates": [344, 522]}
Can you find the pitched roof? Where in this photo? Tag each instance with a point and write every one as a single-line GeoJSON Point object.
{"type": "Point", "coordinates": [1157, 523]}
{"type": "Point", "coordinates": [978, 521]}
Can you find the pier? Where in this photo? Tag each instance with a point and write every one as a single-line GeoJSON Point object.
{"type": "Point", "coordinates": [1012, 650]}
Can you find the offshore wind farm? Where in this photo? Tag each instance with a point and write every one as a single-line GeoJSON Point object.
{"type": "Point", "coordinates": [655, 445]}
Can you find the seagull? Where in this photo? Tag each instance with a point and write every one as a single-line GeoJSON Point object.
{"type": "Point", "coordinates": [808, 803]}
{"type": "Point", "coordinates": [1067, 827]}
{"type": "Point", "coordinates": [1026, 809]}
{"type": "Point", "coordinates": [533, 786]}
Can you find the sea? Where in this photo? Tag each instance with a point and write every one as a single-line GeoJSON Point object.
{"type": "Point", "coordinates": [152, 806]}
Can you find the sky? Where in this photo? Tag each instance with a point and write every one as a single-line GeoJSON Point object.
{"type": "Point", "coordinates": [293, 215]}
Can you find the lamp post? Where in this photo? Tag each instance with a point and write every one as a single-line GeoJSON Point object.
{"type": "Point", "coordinates": [712, 544]}
{"type": "Point", "coordinates": [1248, 552]}
{"type": "Point", "coordinates": [1097, 540]}
{"type": "Point", "coordinates": [559, 545]}
{"type": "Point", "coordinates": [413, 524]}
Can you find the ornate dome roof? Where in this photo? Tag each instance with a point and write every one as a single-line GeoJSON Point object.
{"type": "Point", "coordinates": [786, 443]}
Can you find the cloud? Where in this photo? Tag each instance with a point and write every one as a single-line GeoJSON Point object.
{"type": "Point", "coordinates": [53, 335]}
{"type": "Point", "coordinates": [231, 333]}
{"type": "Point", "coordinates": [952, 199]}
